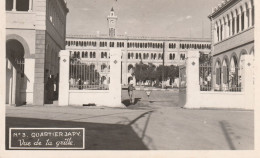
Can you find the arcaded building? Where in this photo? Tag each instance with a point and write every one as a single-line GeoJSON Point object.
{"type": "Point", "coordinates": [35, 33]}
{"type": "Point", "coordinates": [95, 48]}
{"type": "Point", "coordinates": [232, 37]}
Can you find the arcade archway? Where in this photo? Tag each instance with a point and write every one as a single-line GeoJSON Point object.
{"type": "Point", "coordinates": [14, 70]}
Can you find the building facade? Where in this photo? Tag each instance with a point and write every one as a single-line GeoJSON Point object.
{"type": "Point", "coordinates": [232, 37]}
{"type": "Point", "coordinates": [35, 33]}
{"type": "Point", "coordinates": [95, 48]}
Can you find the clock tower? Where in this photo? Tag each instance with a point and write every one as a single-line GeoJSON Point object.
{"type": "Point", "coordinates": [112, 19]}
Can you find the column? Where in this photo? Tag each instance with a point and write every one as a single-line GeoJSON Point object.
{"type": "Point", "coordinates": [231, 27]}
{"type": "Point", "coordinates": [224, 30]}
{"type": "Point", "coordinates": [227, 27]}
{"type": "Point", "coordinates": [192, 80]}
{"type": "Point", "coordinates": [215, 34]}
{"type": "Point", "coordinates": [14, 5]}
{"type": "Point", "coordinates": [245, 19]}
{"type": "Point", "coordinates": [64, 78]}
{"type": "Point", "coordinates": [240, 23]}
{"type": "Point", "coordinates": [235, 25]}
{"type": "Point", "coordinates": [14, 86]}
{"type": "Point", "coordinates": [250, 17]}
{"type": "Point", "coordinates": [30, 6]}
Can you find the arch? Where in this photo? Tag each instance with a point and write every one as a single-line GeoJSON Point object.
{"type": "Point", "coordinates": [233, 55]}
{"type": "Point", "coordinates": [103, 78]}
{"type": "Point", "coordinates": [226, 60]}
{"type": "Point", "coordinates": [27, 53]}
{"type": "Point", "coordinates": [242, 52]}
{"type": "Point", "coordinates": [217, 68]}
{"type": "Point", "coordinates": [130, 66]}
{"type": "Point", "coordinates": [217, 61]}
{"type": "Point", "coordinates": [235, 83]}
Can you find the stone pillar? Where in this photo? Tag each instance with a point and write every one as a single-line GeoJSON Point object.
{"type": "Point", "coordinates": [64, 78]}
{"type": "Point", "coordinates": [30, 6]}
{"type": "Point", "coordinates": [235, 25]}
{"type": "Point", "coordinates": [14, 5]}
{"type": "Point", "coordinates": [29, 69]}
{"type": "Point", "coordinates": [247, 80]}
{"type": "Point", "coordinates": [192, 80]}
{"type": "Point", "coordinates": [240, 23]}
{"type": "Point", "coordinates": [215, 35]}
{"type": "Point", "coordinates": [227, 28]}
{"type": "Point", "coordinates": [14, 86]}
{"type": "Point", "coordinates": [231, 27]}
{"type": "Point", "coordinates": [115, 78]}
{"type": "Point", "coordinates": [224, 29]}
{"type": "Point", "coordinates": [245, 20]}
{"type": "Point", "coordinates": [250, 17]}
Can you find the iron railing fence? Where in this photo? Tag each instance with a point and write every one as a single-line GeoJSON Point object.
{"type": "Point", "coordinates": [89, 75]}
{"type": "Point", "coordinates": [205, 74]}
{"type": "Point", "coordinates": [226, 78]}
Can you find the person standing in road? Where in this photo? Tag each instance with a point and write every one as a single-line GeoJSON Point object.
{"type": "Point", "coordinates": [131, 91]}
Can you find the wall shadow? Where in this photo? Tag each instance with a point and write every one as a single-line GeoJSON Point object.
{"type": "Point", "coordinates": [98, 136]}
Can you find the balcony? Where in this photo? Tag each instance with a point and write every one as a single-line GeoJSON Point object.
{"type": "Point", "coordinates": [234, 41]}
{"type": "Point", "coordinates": [20, 20]}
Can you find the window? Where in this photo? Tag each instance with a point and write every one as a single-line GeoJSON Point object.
{"type": "Point", "coordinates": [22, 5]}
{"type": "Point", "coordinates": [8, 5]}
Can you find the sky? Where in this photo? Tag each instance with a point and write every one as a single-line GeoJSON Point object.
{"type": "Point", "coordinates": [153, 18]}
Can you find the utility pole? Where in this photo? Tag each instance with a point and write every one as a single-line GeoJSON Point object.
{"type": "Point", "coordinates": [163, 56]}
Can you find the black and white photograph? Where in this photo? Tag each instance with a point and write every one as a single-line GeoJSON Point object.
{"type": "Point", "coordinates": [128, 75]}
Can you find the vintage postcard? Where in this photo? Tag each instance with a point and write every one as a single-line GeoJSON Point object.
{"type": "Point", "coordinates": [177, 78]}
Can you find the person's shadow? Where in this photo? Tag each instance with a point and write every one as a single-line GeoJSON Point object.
{"type": "Point", "coordinates": [126, 102]}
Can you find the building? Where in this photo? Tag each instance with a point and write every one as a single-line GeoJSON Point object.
{"type": "Point", "coordinates": [35, 33]}
{"type": "Point", "coordinates": [95, 48]}
{"type": "Point", "coordinates": [232, 37]}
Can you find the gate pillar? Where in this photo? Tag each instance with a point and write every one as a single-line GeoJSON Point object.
{"type": "Point", "coordinates": [248, 80]}
{"type": "Point", "coordinates": [64, 78]}
{"type": "Point", "coordinates": [192, 80]}
{"type": "Point", "coordinates": [115, 78]}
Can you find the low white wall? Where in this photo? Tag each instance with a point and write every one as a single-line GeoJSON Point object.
{"type": "Point", "coordinates": [223, 100]}
{"type": "Point", "coordinates": [80, 97]}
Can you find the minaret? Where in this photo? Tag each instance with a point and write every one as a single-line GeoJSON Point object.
{"type": "Point", "coordinates": [112, 19]}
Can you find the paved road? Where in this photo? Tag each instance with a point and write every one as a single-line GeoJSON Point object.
{"type": "Point", "coordinates": [154, 123]}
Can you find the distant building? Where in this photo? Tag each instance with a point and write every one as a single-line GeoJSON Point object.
{"type": "Point", "coordinates": [232, 37]}
{"type": "Point", "coordinates": [35, 33]}
{"type": "Point", "coordinates": [95, 48]}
